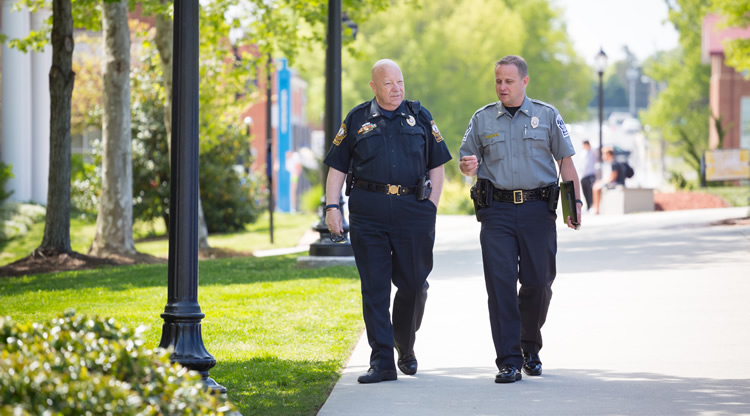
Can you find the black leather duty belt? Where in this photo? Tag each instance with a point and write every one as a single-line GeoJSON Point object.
{"type": "Point", "coordinates": [385, 188]}
{"type": "Point", "coordinates": [520, 196]}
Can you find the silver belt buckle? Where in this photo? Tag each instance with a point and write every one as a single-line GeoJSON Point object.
{"type": "Point", "coordinates": [518, 197]}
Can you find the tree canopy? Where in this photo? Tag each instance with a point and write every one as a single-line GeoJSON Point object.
{"type": "Point", "coordinates": [680, 113]}
{"type": "Point", "coordinates": [447, 51]}
{"type": "Point", "coordinates": [737, 14]}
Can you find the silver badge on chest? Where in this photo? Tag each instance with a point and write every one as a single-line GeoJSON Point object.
{"type": "Point", "coordinates": [534, 122]}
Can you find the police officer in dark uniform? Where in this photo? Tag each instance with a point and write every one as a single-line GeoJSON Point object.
{"type": "Point", "coordinates": [512, 145]}
{"type": "Point", "coordinates": [395, 153]}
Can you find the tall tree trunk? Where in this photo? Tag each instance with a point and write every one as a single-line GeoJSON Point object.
{"type": "Point", "coordinates": [56, 238]}
{"type": "Point", "coordinates": [163, 39]}
{"type": "Point", "coordinates": [114, 223]}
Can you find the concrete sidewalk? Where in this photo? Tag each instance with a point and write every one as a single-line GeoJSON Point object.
{"type": "Point", "coordinates": [650, 316]}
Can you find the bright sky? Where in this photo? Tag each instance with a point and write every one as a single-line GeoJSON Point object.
{"type": "Point", "coordinates": [610, 24]}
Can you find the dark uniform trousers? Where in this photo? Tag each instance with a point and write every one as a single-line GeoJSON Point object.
{"type": "Point", "coordinates": [404, 257]}
{"type": "Point", "coordinates": [519, 243]}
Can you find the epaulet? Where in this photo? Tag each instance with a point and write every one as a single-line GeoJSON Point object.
{"type": "Point", "coordinates": [364, 104]}
{"type": "Point", "coordinates": [543, 103]}
{"type": "Point", "coordinates": [484, 108]}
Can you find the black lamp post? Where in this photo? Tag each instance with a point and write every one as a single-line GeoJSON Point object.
{"type": "Point", "coordinates": [323, 246]}
{"type": "Point", "coordinates": [182, 314]}
{"type": "Point", "coordinates": [601, 64]}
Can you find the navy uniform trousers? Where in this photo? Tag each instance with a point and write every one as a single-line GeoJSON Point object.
{"type": "Point", "coordinates": [519, 243]}
{"type": "Point", "coordinates": [404, 257]}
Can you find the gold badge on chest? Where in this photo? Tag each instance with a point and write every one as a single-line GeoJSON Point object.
{"type": "Point", "coordinates": [410, 121]}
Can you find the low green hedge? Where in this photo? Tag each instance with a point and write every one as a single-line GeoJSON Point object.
{"type": "Point", "coordinates": [77, 365]}
{"type": "Point", "coordinates": [16, 218]}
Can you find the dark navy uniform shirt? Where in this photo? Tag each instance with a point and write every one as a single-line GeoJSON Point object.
{"type": "Point", "coordinates": [395, 150]}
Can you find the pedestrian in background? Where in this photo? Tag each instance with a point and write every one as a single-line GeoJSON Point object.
{"type": "Point", "coordinates": [395, 154]}
{"type": "Point", "coordinates": [588, 172]}
{"type": "Point", "coordinates": [612, 175]}
{"type": "Point", "coordinates": [512, 146]}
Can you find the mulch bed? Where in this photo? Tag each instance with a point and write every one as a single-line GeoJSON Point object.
{"type": "Point", "coordinates": [39, 262]}
{"type": "Point", "coordinates": [686, 200]}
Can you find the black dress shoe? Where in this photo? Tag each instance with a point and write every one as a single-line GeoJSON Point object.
{"type": "Point", "coordinates": [532, 365]}
{"type": "Point", "coordinates": [508, 374]}
{"type": "Point", "coordinates": [408, 364]}
{"type": "Point", "coordinates": [376, 375]}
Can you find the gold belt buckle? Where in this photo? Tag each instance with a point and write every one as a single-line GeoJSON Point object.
{"type": "Point", "coordinates": [393, 189]}
{"type": "Point", "coordinates": [518, 197]}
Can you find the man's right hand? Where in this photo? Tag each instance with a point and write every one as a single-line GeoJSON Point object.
{"type": "Point", "coordinates": [468, 165]}
{"type": "Point", "coordinates": [334, 221]}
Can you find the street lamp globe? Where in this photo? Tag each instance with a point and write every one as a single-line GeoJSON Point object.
{"type": "Point", "coordinates": [600, 61]}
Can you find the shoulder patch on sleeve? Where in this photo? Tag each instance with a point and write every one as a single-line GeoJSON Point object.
{"type": "Point", "coordinates": [468, 130]}
{"type": "Point", "coordinates": [340, 135]}
{"type": "Point", "coordinates": [561, 126]}
{"type": "Point", "coordinates": [436, 132]}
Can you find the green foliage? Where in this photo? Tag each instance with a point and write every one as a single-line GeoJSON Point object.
{"type": "Point", "coordinates": [17, 219]}
{"type": "Point", "coordinates": [455, 198]}
{"type": "Point", "coordinates": [6, 173]}
{"type": "Point", "coordinates": [311, 198]}
{"type": "Point", "coordinates": [451, 71]}
{"type": "Point", "coordinates": [280, 335]}
{"type": "Point", "coordinates": [86, 184]}
{"type": "Point", "coordinates": [150, 148]}
{"type": "Point", "coordinates": [736, 196]}
{"type": "Point", "coordinates": [74, 365]}
{"type": "Point", "coordinates": [231, 196]}
{"type": "Point", "coordinates": [680, 113]}
{"type": "Point", "coordinates": [737, 51]}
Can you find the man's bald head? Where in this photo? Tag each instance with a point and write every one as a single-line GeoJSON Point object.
{"type": "Point", "coordinates": [388, 84]}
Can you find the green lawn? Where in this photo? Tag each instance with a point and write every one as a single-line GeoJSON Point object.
{"type": "Point", "coordinates": [736, 196]}
{"type": "Point", "coordinates": [280, 335]}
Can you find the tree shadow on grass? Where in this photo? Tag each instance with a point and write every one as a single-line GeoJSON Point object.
{"type": "Point", "coordinates": [273, 386]}
{"type": "Point", "coordinates": [240, 270]}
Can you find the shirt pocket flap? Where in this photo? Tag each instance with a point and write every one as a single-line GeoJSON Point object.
{"type": "Point", "coordinates": [492, 138]}
{"type": "Point", "coordinates": [416, 130]}
{"type": "Point", "coordinates": [535, 134]}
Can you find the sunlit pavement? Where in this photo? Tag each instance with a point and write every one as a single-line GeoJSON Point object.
{"type": "Point", "coordinates": [650, 316]}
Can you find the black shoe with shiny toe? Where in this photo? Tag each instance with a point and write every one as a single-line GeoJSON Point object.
{"type": "Point", "coordinates": [532, 364]}
{"type": "Point", "coordinates": [376, 375]}
{"type": "Point", "coordinates": [408, 364]}
{"type": "Point", "coordinates": [508, 374]}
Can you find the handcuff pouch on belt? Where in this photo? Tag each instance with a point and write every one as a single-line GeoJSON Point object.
{"type": "Point", "coordinates": [424, 188]}
{"type": "Point", "coordinates": [481, 194]}
{"type": "Point", "coordinates": [554, 195]}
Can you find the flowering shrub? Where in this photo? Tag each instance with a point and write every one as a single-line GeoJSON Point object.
{"type": "Point", "coordinates": [76, 365]}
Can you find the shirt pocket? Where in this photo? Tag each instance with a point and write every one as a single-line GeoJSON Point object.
{"type": "Point", "coordinates": [494, 146]}
{"type": "Point", "coordinates": [411, 142]}
{"type": "Point", "coordinates": [368, 145]}
{"type": "Point", "coordinates": [536, 142]}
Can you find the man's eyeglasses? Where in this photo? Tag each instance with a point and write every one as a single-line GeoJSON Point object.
{"type": "Point", "coordinates": [338, 238]}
